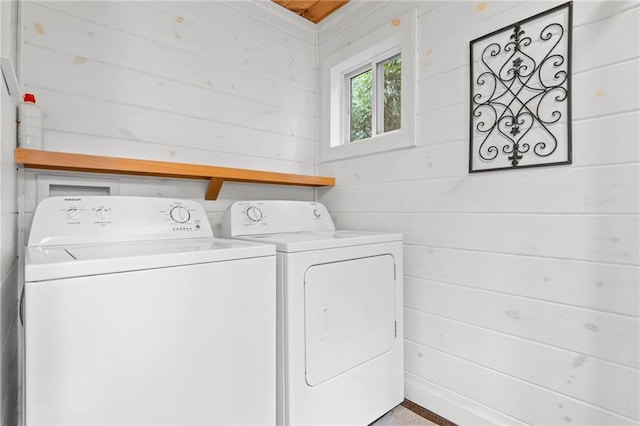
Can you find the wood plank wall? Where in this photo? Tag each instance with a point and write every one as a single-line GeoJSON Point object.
{"type": "Point", "coordinates": [521, 287]}
{"type": "Point", "coordinates": [9, 265]}
{"type": "Point", "coordinates": [218, 83]}
{"type": "Point", "coordinates": [9, 290]}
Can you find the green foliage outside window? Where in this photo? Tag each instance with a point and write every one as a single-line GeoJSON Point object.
{"type": "Point", "coordinates": [392, 86]}
{"type": "Point", "coordinates": [360, 110]}
{"type": "Point", "coordinates": [360, 113]}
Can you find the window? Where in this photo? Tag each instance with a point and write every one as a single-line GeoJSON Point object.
{"type": "Point", "coordinates": [374, 101]}
{"type": "Point", "coordinates": [369, 93]}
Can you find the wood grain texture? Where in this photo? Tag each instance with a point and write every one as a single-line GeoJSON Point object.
{"type": "Point", "coordinates": [10, 238]}
{"type": "Point", "coordinates": [224, 18]}
{"type": "Point", "coordinates": [441, 400]}
{"type": "Point", "coordinates": [572, 373]}
{"type": "Point", "coordinates": [516, 398]}
{"type": "Point", "coordinates": [313, 10]}
{"type": "Point", "coordinates": [588, 190]}
{"type": "Point", "coordinates": [590, 238]}
{"type": "Point", "coordinates": [603, 141]}
{"type": "Point", "coordinates": [192, 153]}
{"type": "Point", "coordinates": [213, 190]}
{"type": "Point", "coordinates": [113, 165]}
{"type": "Point", "coordinates": [605, 336]}
{"type": "Point", "coordinates": [429, 415]}
{"type": "Point", "coordinates": [200, 91]}
{"type": "Point", "coordinates": [321, 9]}
{"type": "Point", "coordinates": [11, 347]}
{"type": "Point", "coordinates": [358, 19]}
{"type": "Point", "coordinates": [273, 14]}
{"type": "Point", "coordinates": [219, 84]}
{"type": "Point", "coordinates": [78, 113]}
{"type": "Point", "coordinates": [597, 286]}
{"type": "Point", "coordinates": [521, 289]}
{"type": "Point", "coordinates": [73, 28]}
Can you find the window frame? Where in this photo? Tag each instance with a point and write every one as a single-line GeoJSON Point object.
{"type": "Point", "coordinates": [346, 119]}
{"type": "Point", "coordinates": [397, 37]}
{"type": "Point", "coordinates": [380, 90]}
{"type": "Point", "coordinates": [376, 65]}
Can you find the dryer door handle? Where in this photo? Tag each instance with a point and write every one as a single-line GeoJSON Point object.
{"type": "Point", "coordinates": [21, 307]}
{"type": "Point", "coordinates": [324, 323]}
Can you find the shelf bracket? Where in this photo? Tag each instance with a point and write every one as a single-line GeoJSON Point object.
{"type": "Point", "coordinates": [215, 185]}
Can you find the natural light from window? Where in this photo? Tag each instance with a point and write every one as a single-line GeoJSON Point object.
{"type": "Point", "coordinates": [369, 92]}
{"type": "Point", "coordinates": [375, 99]}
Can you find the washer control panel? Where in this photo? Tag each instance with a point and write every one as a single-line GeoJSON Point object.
{"type": "Point", "coordinates": [275, 216]}
{"type": "Point", "coordinates": [98, 219]}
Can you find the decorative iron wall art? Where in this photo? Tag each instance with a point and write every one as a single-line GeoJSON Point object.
{"type": "Point", "coordinates": [521, 94]}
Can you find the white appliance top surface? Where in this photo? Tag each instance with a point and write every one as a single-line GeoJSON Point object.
{"type": "Point", "coordinates": [55, 262]}
{"type": "Point", "coordinates": [79, 236]}
{"type": "Point", "coordinates": [293, 226]}
{"type": "Point", "coordinates": [292, 242]}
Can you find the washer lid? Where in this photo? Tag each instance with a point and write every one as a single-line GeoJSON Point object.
{"type": "Point", "coordinates": [55, 262]}
{"type": "Point", "coordinates": [292, 242]}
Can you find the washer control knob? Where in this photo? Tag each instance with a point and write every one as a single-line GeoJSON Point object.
{"type": "Point", "coordinates": [180, 214]}
{"type": "Point", "coordinates": [73, 213]}
{"type": "Point", "coordinates": [317, 213]}
{"type": "Point", "coordinates": [254, 213]}
{"type": "Point", "coordinates": [102, 213]}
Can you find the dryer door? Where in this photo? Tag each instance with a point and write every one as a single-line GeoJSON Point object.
{"type": "Point", "coordinates": [350, 314]}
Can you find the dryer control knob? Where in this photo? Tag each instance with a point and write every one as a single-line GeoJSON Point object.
{"type": "Point", "coordinates": [317, 213]}
{"type": "Point", "coordinates": [73, 213]}
{"type": "Point", "coordinates": [180, 214]}
{"type": "Point", "coordinates": [254, 213]}
{"type": "Point", "coordinates": [102, 214]}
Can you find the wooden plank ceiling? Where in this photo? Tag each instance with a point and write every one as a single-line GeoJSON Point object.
{"type": "Point", "coordinates": [313, 10]}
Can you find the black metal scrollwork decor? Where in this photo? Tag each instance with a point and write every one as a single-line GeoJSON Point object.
{"type": "Point", "coordinates": [520, 94]}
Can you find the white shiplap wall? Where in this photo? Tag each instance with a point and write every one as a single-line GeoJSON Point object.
{"type": "Point", "coordinates": [221, 83]}
{"type": "Point", "coordinates": [522, 305]}
{"type": "Point", "coordinates": [521, 287]}
{"type": "Point", "coordinates": [8, 228]}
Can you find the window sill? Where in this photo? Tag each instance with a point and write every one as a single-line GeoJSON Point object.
{"type": "Point", "coordinates": [389, 141]}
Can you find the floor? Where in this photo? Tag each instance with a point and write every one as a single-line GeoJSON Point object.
{"type": "Point", "coordinates": [401, 416]}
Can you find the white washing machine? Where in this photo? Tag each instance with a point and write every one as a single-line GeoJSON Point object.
{"type": "Point", "coordinates": [135, 315]}
{"type": "Point", "coordinates": [340, 328]}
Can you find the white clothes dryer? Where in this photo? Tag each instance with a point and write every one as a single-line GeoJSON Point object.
{"type": "Point", "coordinates": [340, 328]}
{"type": "Point", "coordinates": [135, 315]}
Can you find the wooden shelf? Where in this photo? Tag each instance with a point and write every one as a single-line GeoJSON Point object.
{"type": "Point", "coordinates": [49, 160]}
